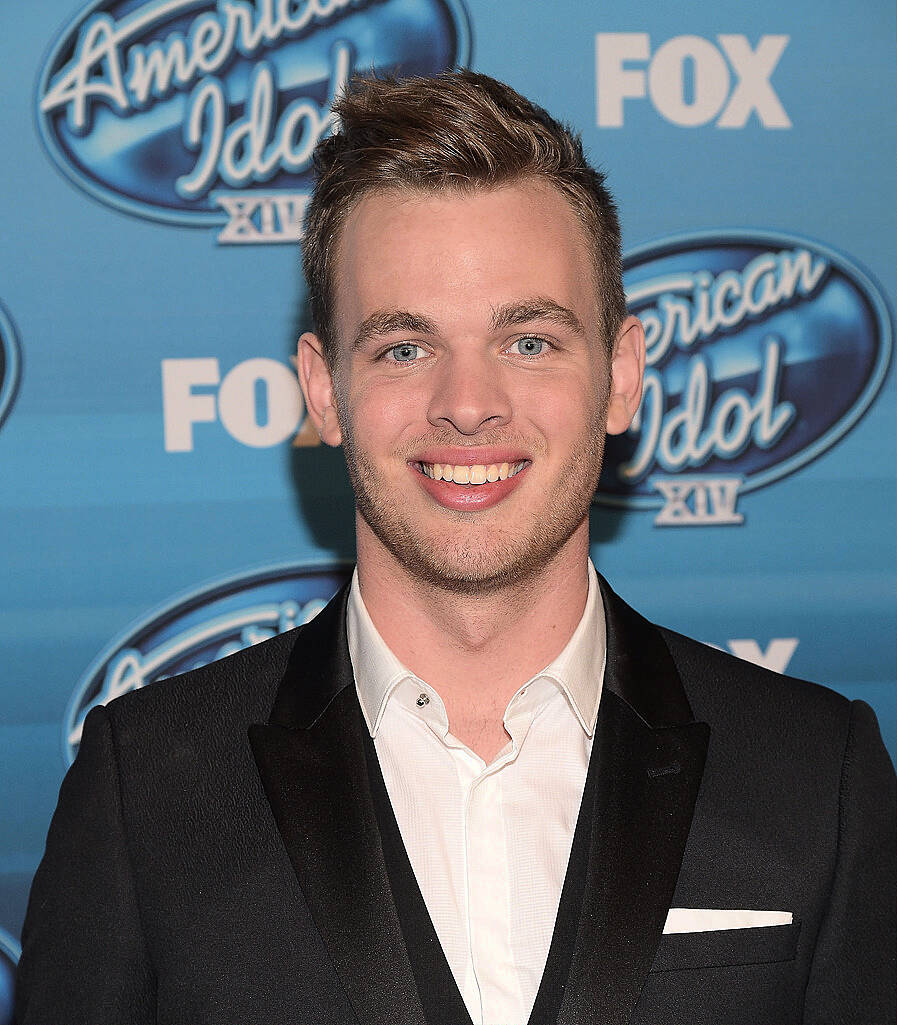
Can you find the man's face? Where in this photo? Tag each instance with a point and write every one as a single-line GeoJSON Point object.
{"type": "Point", "coordinates": [469, 337]}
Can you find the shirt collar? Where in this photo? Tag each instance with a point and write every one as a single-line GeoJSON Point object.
{"type": "Point", "coordinates": [377, 671]}
{"type": "Point", "coordinates": [578, 670]}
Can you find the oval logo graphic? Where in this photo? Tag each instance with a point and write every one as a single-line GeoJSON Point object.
{"type": "Point", "coordinates": [762, 351]}
{"type": "Point", "coordinates": [9, 958]}
{"type": "Point", "coordinates": [201, 627]}
{"type": "Point", "coordinates": [196, 112]}
{"type": "Point", "coordinates": [10, 364]}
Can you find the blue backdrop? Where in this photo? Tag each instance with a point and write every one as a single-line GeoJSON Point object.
{"type": "Point", "coordinates": [163, 500]}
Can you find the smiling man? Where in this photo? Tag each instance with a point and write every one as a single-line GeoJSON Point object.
{"type": "Point", "coordinates": [478, 787]}
{"type": "Point", "coordinates": [472, 393]}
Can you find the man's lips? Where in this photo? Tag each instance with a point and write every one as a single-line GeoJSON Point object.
{"type": "Point", "coordinates": [496, 482]}
{"type": "Point", "coordinates": [471, 474]}
{"type": "Point", "coordinates": [475, 456]}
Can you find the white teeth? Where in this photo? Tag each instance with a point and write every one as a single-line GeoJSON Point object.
{"type": "Point", "coordinates": [476, 474]}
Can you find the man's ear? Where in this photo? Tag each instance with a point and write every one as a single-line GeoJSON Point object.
{"type": "Point", "coordinates": [316, 382]}
{"type": "Point", "coordinates": [627, 372]}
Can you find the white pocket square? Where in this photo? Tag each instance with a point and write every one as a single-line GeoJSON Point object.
{"type": "Point", "coordinates": [713, 919]}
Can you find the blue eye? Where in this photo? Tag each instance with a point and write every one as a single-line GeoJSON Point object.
{"type": "Point", "coordinates": [528, 346]}
{"type": "Point", "coordinates": [405, 353]}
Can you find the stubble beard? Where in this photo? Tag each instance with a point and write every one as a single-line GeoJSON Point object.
{"type": "Point", "coordinates": [493, 557]}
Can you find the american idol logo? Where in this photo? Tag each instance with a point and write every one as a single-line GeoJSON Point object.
{"type": "Point", "coordinates": [201, 627]}
{"type": "Point", "coordinates": [763, 350]}
{"type": "Point", "coordinates": [202, 113]}
{"type": "Point", "coordinates": [9, 957]}
{"type": "Point", "coordinates": [10, 364]}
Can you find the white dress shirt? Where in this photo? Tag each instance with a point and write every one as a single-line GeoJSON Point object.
{"type": "Point", "coordinates": [489, 844]}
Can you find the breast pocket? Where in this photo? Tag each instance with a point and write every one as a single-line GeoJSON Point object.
{"type": "Point", "coordinates": [718, 948]}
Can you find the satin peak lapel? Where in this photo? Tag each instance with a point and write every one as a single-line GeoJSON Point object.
{"type": "Point", "coordinates": [310, 756]}
{"type": "Point", "coordinates": [650, 757]}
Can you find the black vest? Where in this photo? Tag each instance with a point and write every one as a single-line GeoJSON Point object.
{"type": "Point", "coordinates": [442, 1001]}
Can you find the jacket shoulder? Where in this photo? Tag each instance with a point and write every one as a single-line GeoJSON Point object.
{"type": "Point", "coordinates": [739, 696]}
{"type": "Point", "coordinates": [237, 690]}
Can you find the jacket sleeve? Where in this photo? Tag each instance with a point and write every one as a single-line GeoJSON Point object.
{"type": "Point", "coordinates": [84, 960]}
{"type": "Point", "coordinates": [852, 978]}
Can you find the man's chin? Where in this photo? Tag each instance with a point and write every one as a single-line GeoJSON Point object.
{"type": "Point", "coordinates": [460, 569]}
{"type": "Point", "coordinates": [469, 554]}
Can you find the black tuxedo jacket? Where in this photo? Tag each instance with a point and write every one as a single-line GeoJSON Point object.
{"type": "Point", "coordinates": [204, 869]}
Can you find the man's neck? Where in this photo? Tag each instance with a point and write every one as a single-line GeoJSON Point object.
{"type": "Point", "coordinates": [478, 649]}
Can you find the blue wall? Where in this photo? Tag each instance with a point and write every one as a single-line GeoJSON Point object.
{"type": "Point", "coordinates": [154, 459]}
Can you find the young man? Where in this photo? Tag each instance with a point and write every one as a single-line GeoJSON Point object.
{"type": "Point", "coordinates": [485, 789]}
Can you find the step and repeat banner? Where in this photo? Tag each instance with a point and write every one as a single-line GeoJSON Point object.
{"type": "Point", "coordinates": [164, 500]}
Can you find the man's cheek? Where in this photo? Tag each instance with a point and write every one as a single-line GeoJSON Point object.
{"type": "Point", "coordinates": [560, 406]}
{"type": "Point", "coordinates": [382, 414]}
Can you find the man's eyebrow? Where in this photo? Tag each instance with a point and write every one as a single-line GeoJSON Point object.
{"type": "Point", "coordinates": [522, 311]}
{"type": "Point", "coordinates": [385, 322]}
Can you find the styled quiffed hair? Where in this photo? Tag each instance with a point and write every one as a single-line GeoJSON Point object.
{"type": "Point", "coordinates": [455, 131]}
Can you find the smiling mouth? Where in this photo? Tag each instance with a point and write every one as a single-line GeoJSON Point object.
{"type": "Point", "coordinates": [476, 474]}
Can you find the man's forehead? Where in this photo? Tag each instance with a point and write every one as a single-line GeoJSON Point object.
{"type": "Point", "coordinates": [492, 248]}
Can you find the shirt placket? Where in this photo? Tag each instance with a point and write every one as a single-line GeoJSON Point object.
{"type": "Point", "coordinates": [488, 896]}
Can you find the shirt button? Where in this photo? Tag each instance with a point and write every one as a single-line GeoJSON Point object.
{"type": "Point", "coordinates": [423, 700]}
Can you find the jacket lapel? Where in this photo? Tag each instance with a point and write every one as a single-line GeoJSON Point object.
{"type": "Point", "coordinates": [647, 761]}
{"type": "Point", "coordinates": [311, 759]}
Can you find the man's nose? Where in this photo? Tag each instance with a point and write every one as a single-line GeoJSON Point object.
{"type": "Point", "coordinates": [469, 394]}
